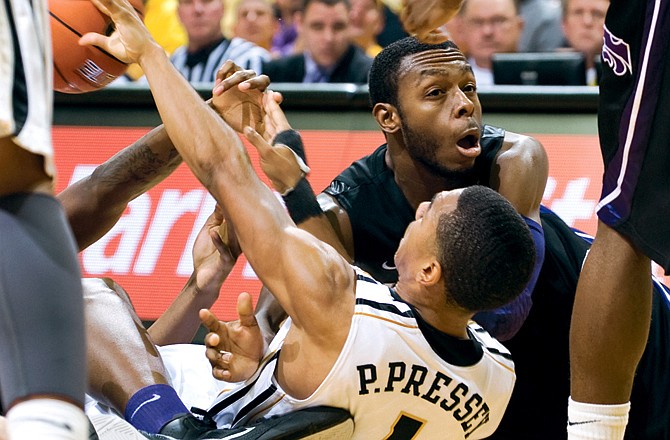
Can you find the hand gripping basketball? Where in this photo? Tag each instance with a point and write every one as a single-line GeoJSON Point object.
{"type": "Point", "coordinates": [130, 41]}
{"type": "Point", "coordinates": [80, 69]}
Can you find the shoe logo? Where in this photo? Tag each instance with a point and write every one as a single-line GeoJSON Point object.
{"type": "Point", "coordinates": [581, 423]}
{"type": "Point", "coordinates": [237, 434]}
{"type": "Point", "coordinates": [387, 266]}
{"type": "Point", "coordinates": [154, 398]}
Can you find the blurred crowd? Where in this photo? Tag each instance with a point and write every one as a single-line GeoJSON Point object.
{"type": "Point", "coordinates": [334, 41]}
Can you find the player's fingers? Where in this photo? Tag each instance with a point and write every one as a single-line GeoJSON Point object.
{"type": "Point", "coordinates": [245, 310]}
{"type": "Point", "coordinates": [436, 36]}
{"type": "Point", "coordinates": [275, 113]}
{"type": "Point", "coordinates": [221, 374]}
{"type": "Point", "coordinates": [93, 39]}
{"type": "Point", "coordinates": [226, 69]}
{"type": "Point", "coordinates": [237, 78]}
{"type": "Point", "coordinates": [212, 340]}
{"type": "Point", "coordinates": [103, 6]}
{"type": "Point", "coordinates": [257, 141]}
{"type": "Point", "coordinates": [258, 82]}
{"type": "Point", "coordinates": [278, 97]}
{"type": "Point", "coordinates": [212, 354]}
{"type": "Point", "coordinates": [209, 320]}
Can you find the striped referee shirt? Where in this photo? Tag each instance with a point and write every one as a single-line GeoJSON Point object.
{"type": "Point", "coordinates": [203, 65]}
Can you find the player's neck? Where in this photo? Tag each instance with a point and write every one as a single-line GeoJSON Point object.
{"type": "Point", "coordinates": [417, 183]}
{"type": "Point", "coordinates": [434, 310]}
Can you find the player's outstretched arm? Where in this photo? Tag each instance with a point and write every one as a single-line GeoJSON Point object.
{"type": "Point", "coordinates": [95, 203]}
{"type": "Point", "coordinates": [215, 252]}
{"type": "Point", "coordinates": [287, 170]}
{"type": "Point", "coordinates": [303, 273]}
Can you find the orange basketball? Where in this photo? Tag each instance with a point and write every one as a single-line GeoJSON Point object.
{"type": "Point", "coordinates": [79, 69]}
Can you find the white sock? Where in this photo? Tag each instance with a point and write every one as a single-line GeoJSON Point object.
{"type": "Point", "coordinates": [588, 421]}
{"type": "Point", "coordinates": [46, 419]}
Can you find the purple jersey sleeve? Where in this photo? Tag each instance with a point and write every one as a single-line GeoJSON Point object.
{"type": "Point", "coordinates": [504, 322]}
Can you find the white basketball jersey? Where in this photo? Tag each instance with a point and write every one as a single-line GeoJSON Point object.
{"type": "Point", "coordinates": [391, 379]}
{"type": "Point", "coordinates": [26, 100]}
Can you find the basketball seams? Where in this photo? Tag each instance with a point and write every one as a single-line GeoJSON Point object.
{"type": "Point", "coordinates": [78, 34]}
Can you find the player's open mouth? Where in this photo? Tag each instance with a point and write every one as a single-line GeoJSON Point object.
{"type": "Point", "coordinates": [468, 141]}
{"type": "Point", "coordinates": [469, 145]}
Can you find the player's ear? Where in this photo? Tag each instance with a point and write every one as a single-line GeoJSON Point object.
{"type": "Point", "coordinates": [387, 117]}
{"type": "Point", "coordinates": [430, 273]}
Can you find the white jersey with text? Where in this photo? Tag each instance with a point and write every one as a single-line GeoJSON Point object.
{"type": "Point", "coordinates": [399, 377]}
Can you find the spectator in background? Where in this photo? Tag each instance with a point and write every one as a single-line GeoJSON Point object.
{"type": "Point", "coordinates": [542, 29]}
{"type": "Point", "coordinates": [367, 21]}
{"type": "Point", "coordinates": [207, 48]}
{"type": "Point", "coordinates": [583, 22]}
{"type": "Point", "coordinates": [488, 27]}
{"type": "Point", "coordinates": [285, 40]}
{"type": "Point", "coordinates": [329, 54]}
{"type": "Point", "coordinates": [393, 28]}
{"type": "Point", "coordinates": [256, 22]}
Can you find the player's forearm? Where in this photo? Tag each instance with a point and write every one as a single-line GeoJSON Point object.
{"type": "Point", "coordinates": [197, 132]}
{"type": "Point", "coordinates": [104, 195]}
{"type": "Point", "coordinates": [180, 322]}
{"type": "Point", "coordinates": [219, 160]}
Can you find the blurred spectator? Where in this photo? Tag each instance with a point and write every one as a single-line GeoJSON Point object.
{"type": "Point", "coordinates": [207, 49]}
{"type": "Point", "coordinates": [284, 41]}
{"type": "Point", "coordinates": [160, 17]}
{"type": "Point", "coordinates": [393, 28]}
{"type": "Point", "coordinates": [367, 21]}
{"type": "Point", "coordinates": [488, 27]}
{"type": "Point", "coordinates": [542, 31]}
{"type": "Point", "coordinates": [455, 29]}
{"type": "Point", "coordinates": [583, 22]}
{"type": "Point", "coordinates": [256, 22]}
{"type": "Point", "coordinates": [329, 55]}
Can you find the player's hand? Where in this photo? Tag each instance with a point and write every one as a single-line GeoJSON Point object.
{"type": "Point", "coordinates": [234, 349]}
{"type": "Point", "coordinates": [215, 252]}
{"type": "Point", "coordinates": [426, 19]}
{"type": "Point", "coordinates": [275, 119]}
{"type": "Point", "coordinates": [131, 39]}
{"type": "Point", "coordinates": [237, 96]}
{"type": "Point", "coordinates": [282, 166]}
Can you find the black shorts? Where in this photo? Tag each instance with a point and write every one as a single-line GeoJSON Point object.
{"type": "Point", "coordinates": [634, 124]}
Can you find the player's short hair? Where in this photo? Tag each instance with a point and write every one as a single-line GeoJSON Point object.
{"type": "Point", "coordinates": [485, 249]}
{"type": "Point", "coordinates": [383, 76]}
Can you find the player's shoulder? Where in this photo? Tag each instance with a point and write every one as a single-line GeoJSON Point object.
{"type": "Point", "coordinates": [491, 345]}
{"type": "Point", "coordinates": [522, 144]}
{"type": "Point", "coordinates": [364, 170]}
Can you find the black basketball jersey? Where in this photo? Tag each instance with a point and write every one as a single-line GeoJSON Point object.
{"type": "Point", "coordinates": [379, 214]}
{"type": "Point", "coordinates": [378, 210]}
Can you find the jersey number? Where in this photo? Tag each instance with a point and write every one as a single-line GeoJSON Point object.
{"type": "Point", "coordinates": [406, 427]}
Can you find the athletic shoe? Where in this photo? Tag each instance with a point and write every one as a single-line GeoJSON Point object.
{"type": "Point", "coordinates": [187, 427]}
{"type": "Point", "coordinates": [318, 423]}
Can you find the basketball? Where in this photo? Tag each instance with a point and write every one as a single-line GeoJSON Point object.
{"type": "Point", "coordinates": [79, 69]}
